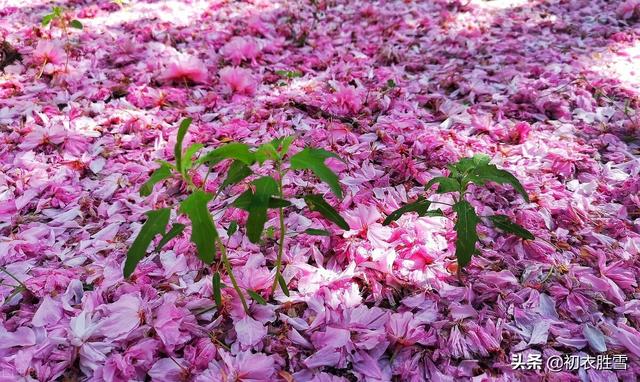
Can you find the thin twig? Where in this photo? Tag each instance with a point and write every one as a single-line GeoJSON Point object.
{"type": "Point", "coordinates": [316, 112]}
{"type": "Point", "coordinates": [180, 366]}
{"type": "Point", "coordinates": [41, 69]}
{"type": "Point", "coordinates": [219, 342]}
{"type": "Point", "coordinates": [548, 274]}
{"type": "Point", "coordinates": [3, 269]}
{"type": "Point", "coordinates": [205, 310]}
{"type": "Point", "coordinates": [558, 89]}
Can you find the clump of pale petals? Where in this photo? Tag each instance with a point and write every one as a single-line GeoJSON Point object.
{"type": "Point", "coordinates": [48, 52]}
{"type": "Point", "coordinates": [239, 80]}
{"type": "Point", "coordinates": [185, 69]}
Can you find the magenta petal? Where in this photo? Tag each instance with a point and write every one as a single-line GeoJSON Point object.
{"type": "Point", "coordinates": [324, 357]}
{"type": "Point", "coordinates": [249, 331]}
{"type": "Point", "coordinates": [49, 313]}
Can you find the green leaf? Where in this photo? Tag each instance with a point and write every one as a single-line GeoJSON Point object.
{"type": "Point", "coordinates": [444, 184]}
{"type": "Point", "coordinates": [485, 173]}
{"type": "Point", "coordinates": [282, 145]}
{"type": "Point", "coordinates": [313, 159]}
{"type": "Point", "coordinates": [265, 152]}
{"type": "Point", "coordinates": [217, 293]}
{"type": "Point", "coordinates": [317, 203]}
{"type": "Point", "coordinates": [256, 203]}
{"type": "Point", "coordinates": [256, 297]}
{"type": "Point", "coordinates": [434, 213]}
{"type": "Point", "coordinates": [158, 175]}
{"type": "Point", "coordinates": [278, 203]}
{"type": "Point", "coordinates": [420, 206]}
{"type": "Point", "coordinates": [233, 150]}
{"type": "Point", "coordinates": [464, 165]}
{"type": "Point", "coordinates": [75, 24]}
{"type": "Point", "coordinates": [165, 163]}
{"type": "Point", "coordinates": [177, 149]}
{"type": "Point", "coordinates": [156, 223]}
{"type": "Point", "coordinates": [390, 84]}
{"type": "Point", "coordinates": [188, 155]}
{"type": "Point", "coordinates": [244, 201]}
{"type": "Point", "coordinates": [270, 232]}
{"type": "Point", "coordinates": [175, 230]}
{"type": "Point", "coordinates": [481, 159]}
{"type": "Point", "coordinates": [233, 227]}
{"type": "Point", "coordinates": [203, 231]}
{"type": "Point", "coordinates": [286, 144]}
{"type": "Point", "coordinates": [288, 74]}
{"type": "Point", "coordinates": [283, 284]}
{"type": "Point", "coordinates": [317, 232]}
{"type": "Point", "coordinates": [237, 172]}
{"type": "Point", "coordinates": [46, 20]}
{"type": "Point", "coordinates": [504, 223]}
{"type": "Point", "coordinates": [465, 228]}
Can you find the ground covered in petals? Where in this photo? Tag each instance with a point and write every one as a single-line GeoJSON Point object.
{"type": "Point", "coordinates": [399, 89]}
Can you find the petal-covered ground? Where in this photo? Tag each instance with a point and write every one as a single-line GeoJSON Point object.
{"type": "Point", "coordinates": [548, 89]}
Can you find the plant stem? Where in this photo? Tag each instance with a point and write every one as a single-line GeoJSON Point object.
{"type": "Point", "coordinates": [189, 182]}
{"type": "Point", "coordinates": [282, 231]}
{"type": "Point", "coordinates": [229, 269]}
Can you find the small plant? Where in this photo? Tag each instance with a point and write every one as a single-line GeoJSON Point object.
{"type": "Point", "coordinates": [288, 75]}
{"type": "Point", "coordinates": [255, 200]}
{"type": "Point", "coordinates": [59, 16]}
{"type": "Point", "coordinates": [263, 193]}
{"type": "Point", "coordinates": [479, 171]}
{"type": "Point", "coordinates": [389, 85]}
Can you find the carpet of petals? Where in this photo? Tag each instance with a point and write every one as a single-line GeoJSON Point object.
{"type": "Point", "coordinates": [399, 89]}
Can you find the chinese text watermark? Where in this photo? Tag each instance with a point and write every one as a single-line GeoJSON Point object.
{"type": "Point", "coordinates": [534, 361]}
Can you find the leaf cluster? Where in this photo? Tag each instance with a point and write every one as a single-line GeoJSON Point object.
{"type": "Point", "coordinates": [473, 170]}
{"type": "Point", "coordinates": [261, 194]}
{"type": "Point", "coordinates": [58, 14]}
